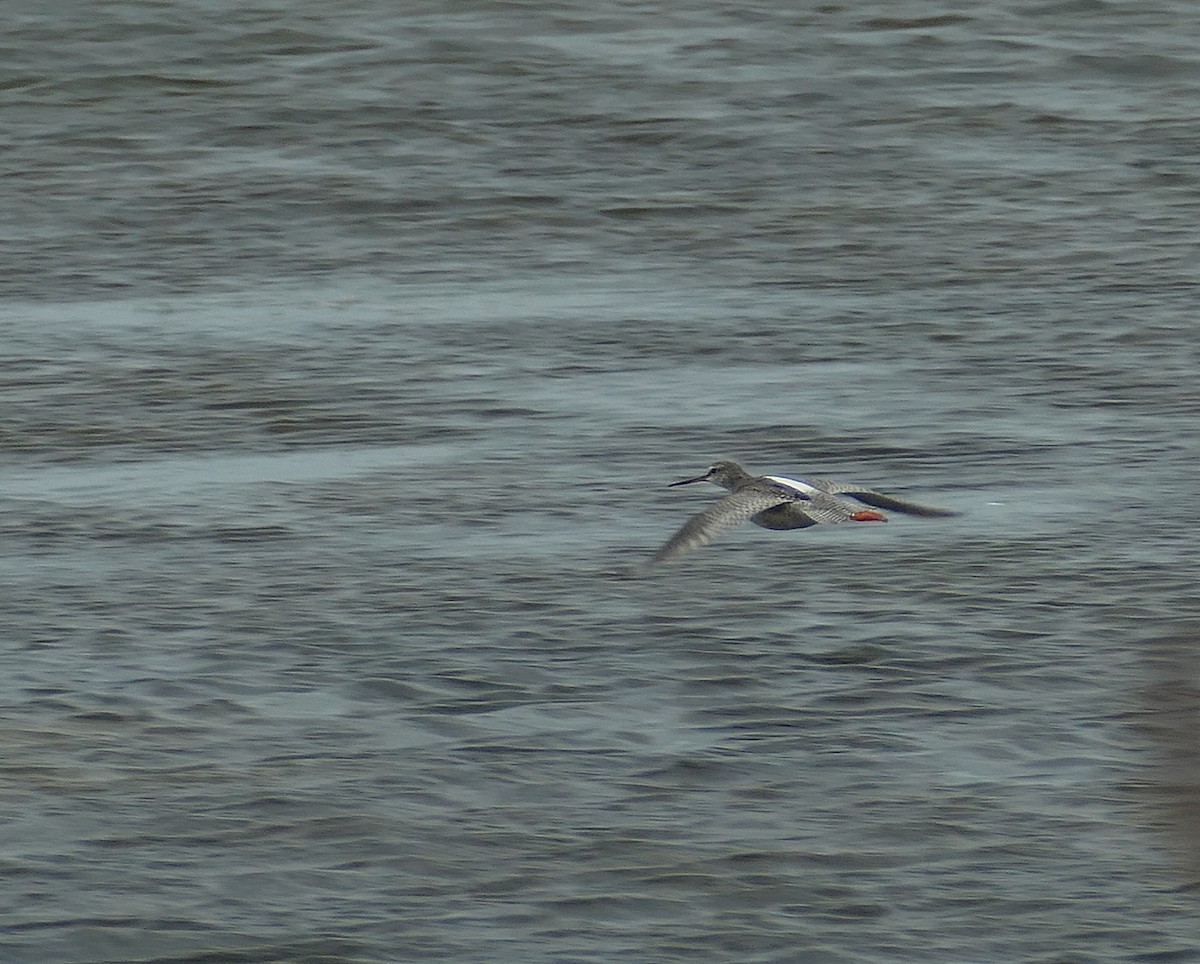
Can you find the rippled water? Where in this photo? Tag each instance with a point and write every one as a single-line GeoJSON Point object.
{"type": "Point", "coordinates": [347, 354]}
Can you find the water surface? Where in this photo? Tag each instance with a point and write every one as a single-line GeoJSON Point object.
{"type": "Point", "coordinates": [347, 355]}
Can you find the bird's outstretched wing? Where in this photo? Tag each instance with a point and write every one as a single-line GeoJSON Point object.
{"type": "Point", "coordinates": [882, 501]}
{"type": "Point", "coordinates": [730, 511]}
{"type": "Point", "coordinates": [827, 507]}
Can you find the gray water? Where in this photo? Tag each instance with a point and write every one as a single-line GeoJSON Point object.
{"type": "Point", "coordinates": [347, 352]}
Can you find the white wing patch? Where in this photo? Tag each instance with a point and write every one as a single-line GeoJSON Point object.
{"type": "Point", "coordinates": [796, 485]}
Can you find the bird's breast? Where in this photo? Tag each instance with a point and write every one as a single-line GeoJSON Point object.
{"type": "Point", "coordinates": [786, 516]}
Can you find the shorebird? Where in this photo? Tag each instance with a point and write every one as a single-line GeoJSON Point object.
{"type": "Point", "coordinates": [776, 502]}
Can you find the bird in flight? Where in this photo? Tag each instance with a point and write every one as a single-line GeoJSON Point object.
{"type": "Point", "coordinates": [776, 502]}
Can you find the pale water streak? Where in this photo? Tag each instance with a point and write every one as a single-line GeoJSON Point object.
{"type": "Point", "coordinates": [347, 355]}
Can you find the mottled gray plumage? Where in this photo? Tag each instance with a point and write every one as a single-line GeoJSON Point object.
{"type": "Point", "coordinates": [775, 502]}
{"type": "Point", "coordinates": [882, 501]}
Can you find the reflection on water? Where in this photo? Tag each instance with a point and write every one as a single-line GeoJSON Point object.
{"type": "Point", "coordinates": [1172, 721]}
